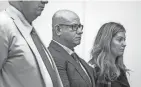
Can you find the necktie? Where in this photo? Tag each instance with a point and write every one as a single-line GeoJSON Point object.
{"type": "Point", "coordinates": [43, 55]}
{"type": "Point", "coordinates": [76, 58]}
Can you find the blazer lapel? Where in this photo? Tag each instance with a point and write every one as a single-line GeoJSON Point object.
{"type": "Point", "coordinates": [89, 71]}
{"type": "Point", "coordinates": [31, 45]}
{"type": "Point", "coordinates": [60, 49]}
{"type": "Point", "coordinates": [23, 31]}
{"type": "Point", "coordinates": [27, 37]}
{"type": "Point", "coordinates": [123, 79]}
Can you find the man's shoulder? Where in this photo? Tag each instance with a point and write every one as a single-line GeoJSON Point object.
{"type": "Point", "coordinates": [6, 23]}
{"type": "Point", "coordinates": [57, 55]}
{"type": "Point", "coordinates": [56, 50]}
{"type": "Point", "coordinates": [4, 18]}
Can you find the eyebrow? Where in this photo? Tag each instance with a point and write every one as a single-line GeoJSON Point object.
{"type": "Point", "coordinates": [121, 37]}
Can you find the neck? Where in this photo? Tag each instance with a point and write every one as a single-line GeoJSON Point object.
{"type": "Point", "coordinates": [112, 59]}
{"type": "Point", "coordinates": [64, 43]}
{"type": "Point", "coordinates": [28, 17]}
{"type": "Point", "coordinates": [18, 6]}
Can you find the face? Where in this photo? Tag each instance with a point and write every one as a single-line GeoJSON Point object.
{"type": "Point", "coordinates": [33, 9]}
{"type": "Point", "coordinates": [70, 35]}
{"type": "Point", "coordinates": [118, 44]}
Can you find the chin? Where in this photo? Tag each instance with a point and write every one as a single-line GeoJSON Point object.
{"type": "Point", "coordinates": [120, 54]}
{"type": "Point", "coordinates": [75, 44]}
{"type": "Point", "coordinates": [38, 13]}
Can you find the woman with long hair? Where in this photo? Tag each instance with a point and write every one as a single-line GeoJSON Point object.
{"type": "Point", "coordinates": [107, 56]}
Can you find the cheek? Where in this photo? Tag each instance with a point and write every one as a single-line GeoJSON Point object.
{"type": "Point", "coordinates": [35, 8]}
{"type": "Point", "coordinates": [115, 47]}
{"type": "Point", "coordinates": [68, 36]}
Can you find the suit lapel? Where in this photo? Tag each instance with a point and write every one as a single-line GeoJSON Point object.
{"type": "Point", "coordinates": [27, 37]}
{"type": "Point", "coordinates": [89, 71]}
{"type": "Point", "coordinates": [24, 31]}
{"type": "Point", "coordinates": [31, 45]}
{"type": "Point", "coordinates": [123, 79]}
{"type": "Point", "coordinates": [60, 49]}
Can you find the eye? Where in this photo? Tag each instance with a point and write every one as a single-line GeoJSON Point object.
{"type": "Point", "coordinates": [119, 39]}
{"type": "Point", "coordinates": [75, 27]}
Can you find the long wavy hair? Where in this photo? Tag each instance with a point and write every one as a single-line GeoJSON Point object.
{"type": "Point", "coordinates": [102, 50]}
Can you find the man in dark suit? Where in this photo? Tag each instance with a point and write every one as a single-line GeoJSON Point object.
{"type": "Point", "coordinates": [67, 31]}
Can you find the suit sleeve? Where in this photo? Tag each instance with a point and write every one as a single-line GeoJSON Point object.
{"type": "Point", "coordinates": [61, 65]}
{"type": "Point", "coordinates": [4, 44]}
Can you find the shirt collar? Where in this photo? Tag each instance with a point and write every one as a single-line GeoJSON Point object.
{"type": "Point", "coordinates": [17, 15]}
{"type": "Point", "coordinates": [66, 48]}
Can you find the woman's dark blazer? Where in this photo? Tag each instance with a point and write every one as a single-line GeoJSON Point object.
{"type": "Point", "coordinates": [120, 82]}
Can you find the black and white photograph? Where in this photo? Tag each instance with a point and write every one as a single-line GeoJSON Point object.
{"type": "Point", "coordinates": [70, 43]}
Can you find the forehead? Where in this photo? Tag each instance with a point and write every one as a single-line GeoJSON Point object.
{"type": "Point", "coordinates": [31, 2]}
{"type": "Point", "coordinates": [120, 34]}
{"type": "Point", "coordinates": [65, 17]}
{"type": "Point", "coordinates": [72, 19]}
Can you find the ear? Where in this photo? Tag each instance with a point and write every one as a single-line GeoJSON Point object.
{"type": "Point", "coordinates": [58, 30]}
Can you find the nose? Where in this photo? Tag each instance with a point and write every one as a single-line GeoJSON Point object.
{"type": "Point", "coordinates": [44, 1]}
{"type": "Point", "coordinates": [124, 44]}
{"type": "Point", "coordinates": [80, 31]}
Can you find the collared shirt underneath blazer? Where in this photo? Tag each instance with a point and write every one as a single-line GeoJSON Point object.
{"type": "Point", "coordinates": [20, 62]}
{"type": "Point", "coordinates": [69, 71]}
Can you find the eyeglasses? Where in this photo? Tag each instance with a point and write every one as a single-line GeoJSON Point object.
{"type": "Point", "coordinates": [74, 27]}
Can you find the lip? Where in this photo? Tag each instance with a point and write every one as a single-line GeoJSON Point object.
{"type": "Point", "coordinates": [78, 38]}
{"type": "Point", "coordinates": [42, 7]}
{"type": "Point", "coordinates": [122, 50]}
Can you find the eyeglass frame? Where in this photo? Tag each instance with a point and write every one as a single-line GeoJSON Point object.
{"type": "Point", "coordinates": [72, 26]}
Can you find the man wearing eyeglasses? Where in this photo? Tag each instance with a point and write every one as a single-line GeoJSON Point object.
{"type": "Point", "coordinates": [67, 31]}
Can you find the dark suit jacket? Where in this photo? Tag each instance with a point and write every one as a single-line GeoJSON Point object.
{"type": "Point", "coordinates": [120, 82]}
{"type": "Point", "coordinates": [71, 75]}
